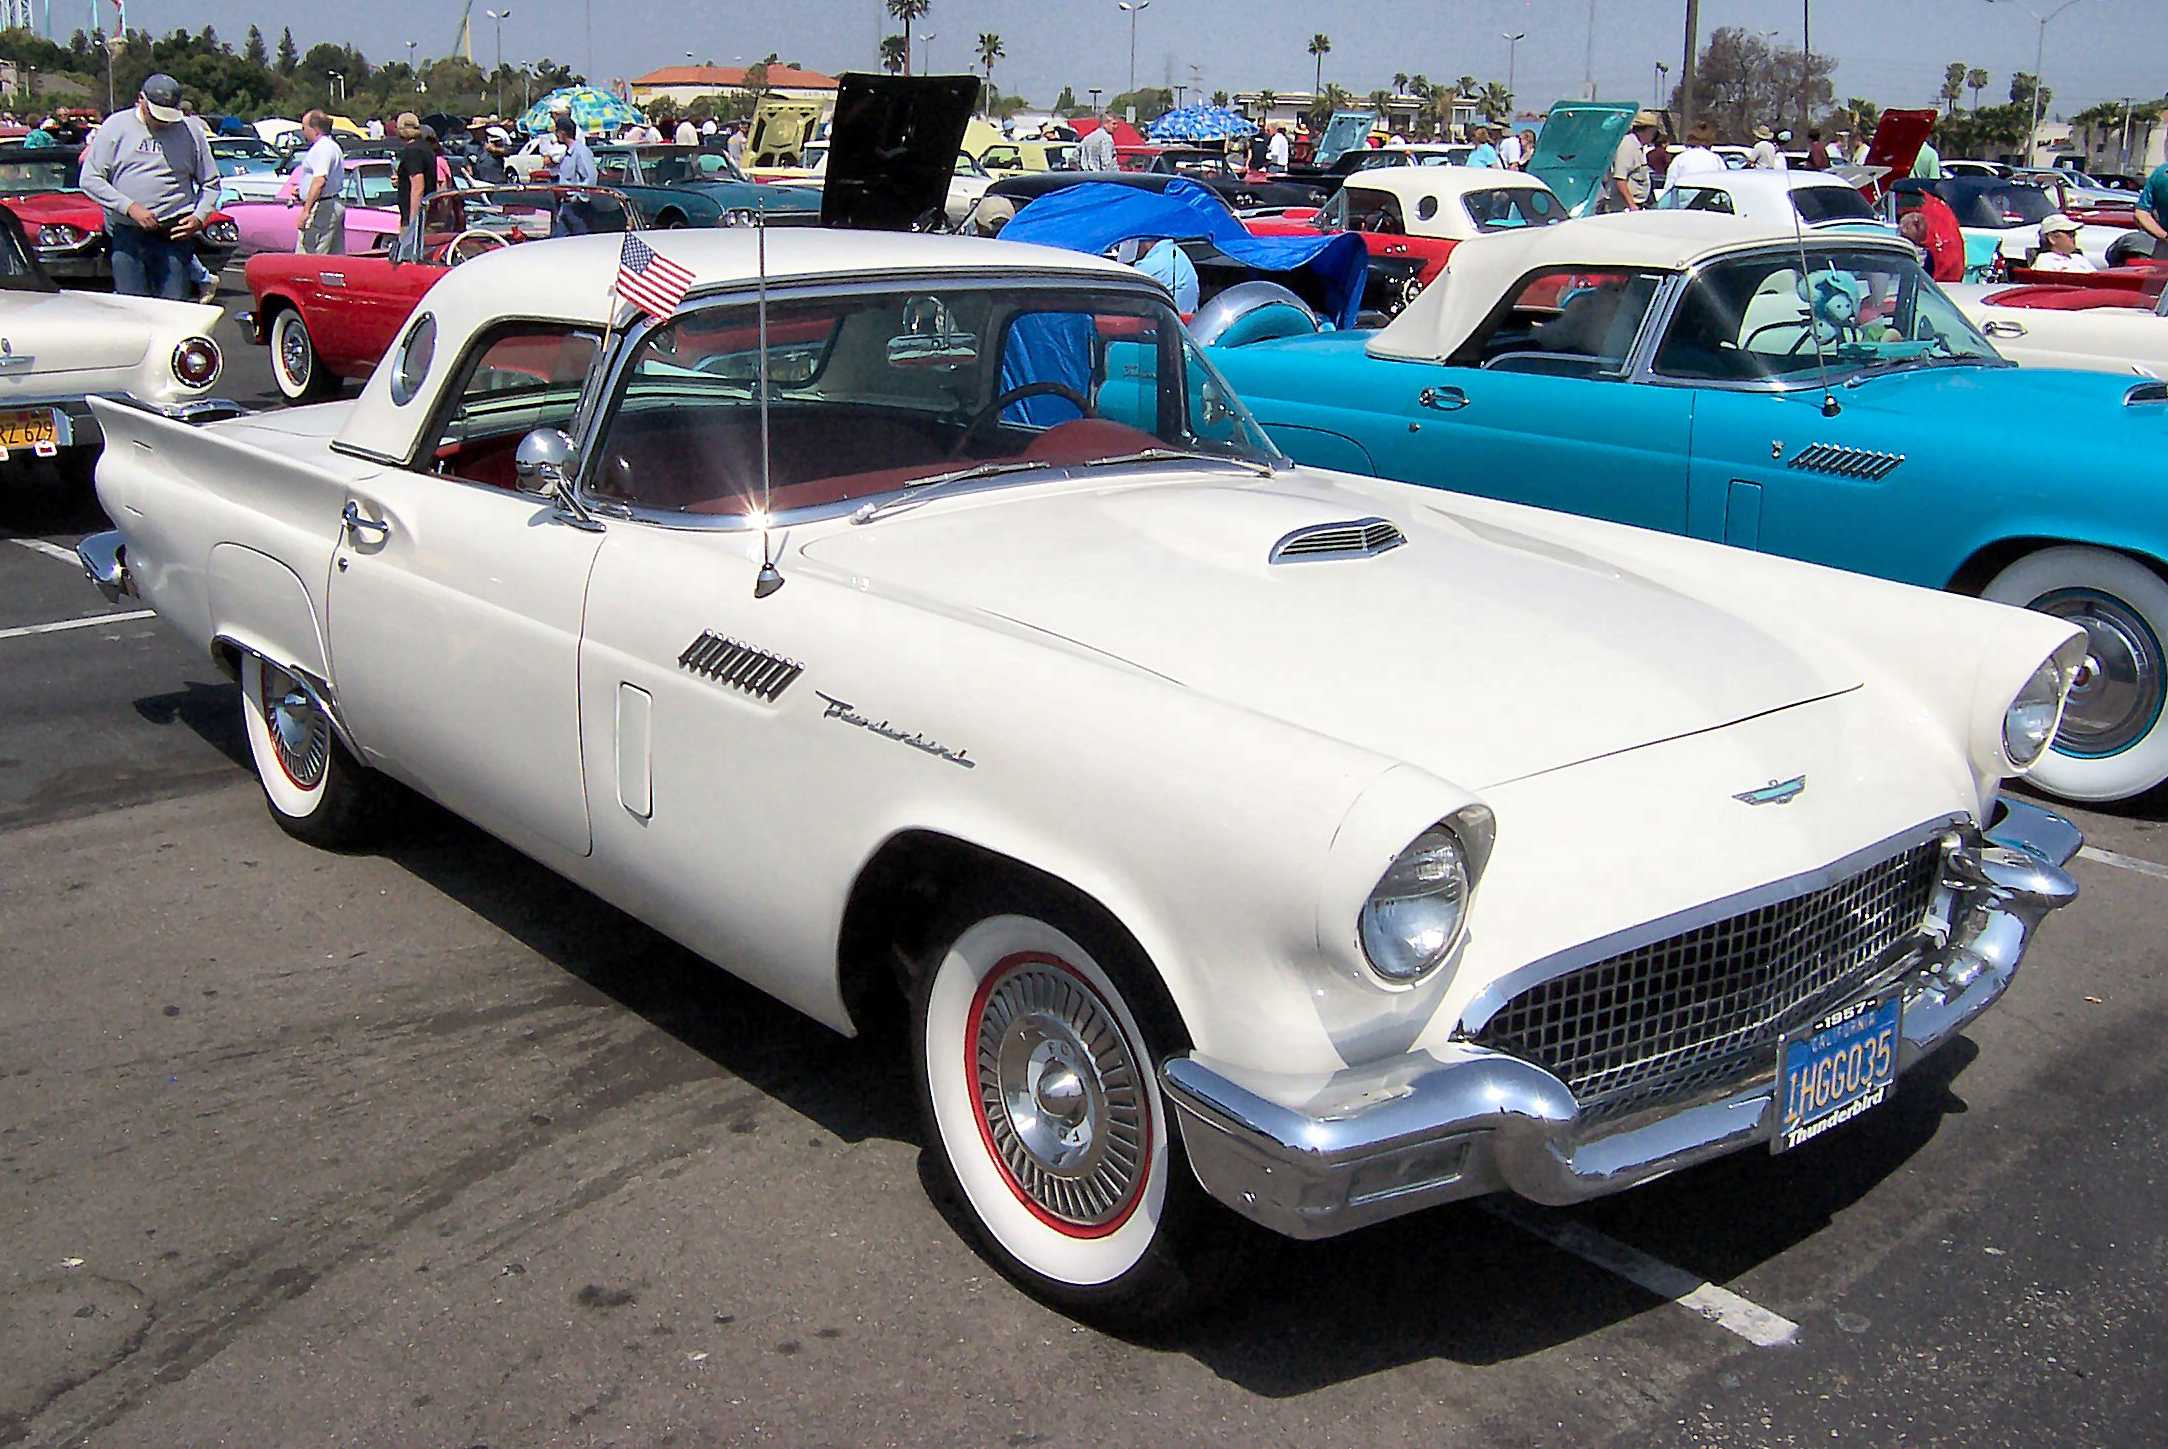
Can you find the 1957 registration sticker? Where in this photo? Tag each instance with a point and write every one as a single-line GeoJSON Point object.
{"type": "Point", "coordinates": [1838, 1067]}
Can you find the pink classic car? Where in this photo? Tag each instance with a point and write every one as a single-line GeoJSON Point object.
{"type": "Point", "coordinates": [372, 214]}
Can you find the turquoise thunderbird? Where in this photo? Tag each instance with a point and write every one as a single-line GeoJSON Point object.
{"type": "Point", "coordinates": [1816, 397]}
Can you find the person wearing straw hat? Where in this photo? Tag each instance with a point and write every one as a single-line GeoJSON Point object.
{"type": "Point", "coordinates": [153, 174]}
{"type": "Point", "coordinates": [1626, 184]}
{"type": "Point", "coordinates": [2059, 247]}
{"type": "Point", "coordinates": [1766, 155]}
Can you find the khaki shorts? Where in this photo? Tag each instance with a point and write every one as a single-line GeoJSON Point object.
{"type": "Point", "coordinates": [323, 230]}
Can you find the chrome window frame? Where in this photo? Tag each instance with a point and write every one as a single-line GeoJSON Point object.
{"type": "Point", "coordinates": [430, 434]}
{"type": "Point", "coordinates": [597, 405]}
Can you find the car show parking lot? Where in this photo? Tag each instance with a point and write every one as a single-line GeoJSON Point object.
{"type": "Point", "coordinates": [425, 1145]}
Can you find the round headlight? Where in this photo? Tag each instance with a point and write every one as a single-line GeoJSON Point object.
{"type": "Point", "coordinates": [222, 233]}
{"type": "Point", "coordinates": [2028, 725]}
{"type": "Point", "coordinates": [195, 362]}
{"type": "Point", "coordinates": [59, 234]}
{"type": "Point", "coordinates": [1413, 918]}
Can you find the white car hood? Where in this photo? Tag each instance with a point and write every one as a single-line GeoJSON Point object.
{"type": "Point", "coordinates": [1481, 654]}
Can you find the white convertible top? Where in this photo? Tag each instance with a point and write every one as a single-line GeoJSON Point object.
{"type": "Point", "coordinates": [1445, 184]}
{"type": "Point", "coordinates": [571, 279]}
{"type": "Point", "coordinates": [1480, 270]}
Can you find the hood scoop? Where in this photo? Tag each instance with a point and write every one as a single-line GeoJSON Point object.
{"type": "Point", "coordinates": [1327, 542]}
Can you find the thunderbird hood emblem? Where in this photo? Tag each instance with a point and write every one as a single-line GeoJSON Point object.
{"type": "Point", "coordinates": [1776, 792]}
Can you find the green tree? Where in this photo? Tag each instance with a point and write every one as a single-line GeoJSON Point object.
{"type": "Point", "coordinates": [1151, 102]}
{"type": "Point", "coordinates": [253, 52]}
{"type": "Point", "coordinates": [1865, 115]}
{"type": "Point", "coordinates": [1496, 102]}
{"type": "Point", "coordinates": [1953, 84]}
{"type": "Point", "coordinates": [1266, 100]}
{"type": "Point", "coordinates": [2021, 92]}
{"type": "Point", "coordinates": [1065, 102]}
{"type": "Point", "coordinates": [1320, 47]}
{"type": "Point", "coordinates": [289, 54]}
{"type": "Point", "coordinates": [909, 12]}
{"type": "Point", "coordinates": [1976, 82]}
{"type": "Point", "coordinates": [895, 54]}
{"type": "Point", "coordinates": [1219, 98]}
{"type": "Point", "coordinates": [1400, 82]}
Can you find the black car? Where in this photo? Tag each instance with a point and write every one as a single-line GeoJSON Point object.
{"type": "Point", "coordinates": [1211, 169]}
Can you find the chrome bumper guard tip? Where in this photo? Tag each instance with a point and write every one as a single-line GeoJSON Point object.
{"type": "Point", "coordinates": [1312, 1157]}
{"type": "Point", "coordinates": [105, 564]}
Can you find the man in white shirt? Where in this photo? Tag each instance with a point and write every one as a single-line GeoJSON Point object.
{"type": "Point", "coordinates": [1276, 149]}
{"type": "Point", "coordinates": [1509, 152]}
{"type": "Point", "coordinates": [318, 180]}
{"type": "Point", "coordinates": [687, 133]}
{"type": "Point", "coordinates": [2059, 248]}
{"type": "Point", "coordinates": [707, 127]}
{"type": "Point", "coordinates": [1695, 158]}
{"type": "Point", "coordinates": [1766, 155]}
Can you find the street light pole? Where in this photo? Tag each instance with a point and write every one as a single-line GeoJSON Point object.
{"type": "Point", "coordinates": [925, 54]}
{"type": "Point", "coordinates": [500, 16]}
{"type": "Point", "coordinates": [1686, 65]}
{"type": "Point", "coordinates": [1662, 70]}
{"type": "Point", "coordinates": [1806, 64]}
{"type": "Point", "coordinates": [1588, 65]}
{"type": "Point", "coordinates": [1134, 7]}
{"type": "Point", "coordinates": [1513, 39]}
{"type": "Point", "coordinates": [2040, 46]}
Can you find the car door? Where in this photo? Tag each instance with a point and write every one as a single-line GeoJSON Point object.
{"type": "Point", "coordinates": [456, 601]}
{"type": "Point", "coordinates": [1538, 407]}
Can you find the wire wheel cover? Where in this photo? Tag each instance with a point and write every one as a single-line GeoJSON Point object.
{"type": "Point", "coordinates": [300, 735]}
{"type": "Point", "coordinates": [296, 357]}
{"type": "Point", "coordinates": [1058, 1094]}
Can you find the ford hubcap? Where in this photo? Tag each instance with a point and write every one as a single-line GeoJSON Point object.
{"type": "Point", "coordinates": [300, 735]}
{"type": "Point", "coordinates": [1060, 1094]}
{"type": "Point", "coordinates": [2118, 692]}
{"type": "Point", "coordinates": [294, 353]}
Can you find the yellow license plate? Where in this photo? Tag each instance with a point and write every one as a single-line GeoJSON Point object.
{"type": "Point", "coordinates": [27, 428]}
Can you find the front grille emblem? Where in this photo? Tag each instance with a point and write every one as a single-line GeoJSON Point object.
{"type": "Point", "coordinates": [1776, 792]}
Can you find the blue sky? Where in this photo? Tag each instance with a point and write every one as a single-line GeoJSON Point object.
{"type": "Point", "coordinates": [1892, 51]}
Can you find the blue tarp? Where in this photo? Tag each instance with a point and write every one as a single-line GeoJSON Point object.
{"type": "Point", "coordinates": [1095, 217]}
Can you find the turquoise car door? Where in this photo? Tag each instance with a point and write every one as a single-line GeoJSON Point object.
{"type": "Point", "coordinates": [1538, 407]}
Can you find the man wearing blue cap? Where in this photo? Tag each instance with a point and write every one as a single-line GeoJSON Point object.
{"type": "Point", "coordinates": [154, 175]}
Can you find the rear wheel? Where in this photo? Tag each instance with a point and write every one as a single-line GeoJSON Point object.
{"type": "Point", "coordinates": [316, 791]}
{"type": "Point", "coordinates": [1036, 1040]}
{"type": "Point", "coordinates": [2114, 739]}
{"type": "Point", "coordinates": [295, 366]}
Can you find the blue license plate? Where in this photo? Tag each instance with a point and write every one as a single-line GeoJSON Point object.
{"type": "Point", "coordinates": [1838, 1067]}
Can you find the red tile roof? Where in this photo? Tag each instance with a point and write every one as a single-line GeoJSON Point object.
{"type": "Point", "coordinates": [722, 77]}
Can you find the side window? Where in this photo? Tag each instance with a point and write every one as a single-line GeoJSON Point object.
{"type": "Point", "coordinates": [1566, 323]}
{"type": "Point", "coordinates": [1378, 211]}
{"type": "Point", "coordinates": [1001, 158]}
{"type": "Point", "coordinates": [615, 168]}
{"type": "Point", "coordinates": [515, 379]}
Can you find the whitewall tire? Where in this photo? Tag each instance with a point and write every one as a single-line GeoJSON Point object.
{"type": "Point", "coordinates": [2114, 739]}
{"type": "Point", "coordinates": [316, 791]}
{"type": "Point", "coordinates": [295, 367]}
{"type": "Point", "coordinates": [1037, 1072]}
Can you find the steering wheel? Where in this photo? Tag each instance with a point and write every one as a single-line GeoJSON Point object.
{"type": "Point", "coordinates": [992, 410]}
{"type": "Point", "coordinates": [1771, 326]}
{"type": "Point", "coordinates": [484, 241]}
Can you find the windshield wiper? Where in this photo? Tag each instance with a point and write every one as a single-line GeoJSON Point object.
{"type": "Point", "coordinates": [922, 490]}
{"type": "Point", "coordinates": [1182, 455]}
{"type": "Point", "coordinates": [1894, 364]}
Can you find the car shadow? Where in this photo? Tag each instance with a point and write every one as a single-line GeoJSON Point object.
{"type": "Point", "coordinates": [212, 711]}
{"type": "Point", "coordinates": [50, 496]}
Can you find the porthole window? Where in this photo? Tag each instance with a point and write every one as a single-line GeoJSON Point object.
{"type": "Point", "coordinates": [1426, 208]}
{"type": "Point", "coordinates": [412, 365]}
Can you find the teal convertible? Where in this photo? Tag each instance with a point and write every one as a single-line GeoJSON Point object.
{"type": "Point", "coordinates": [1814, 396]}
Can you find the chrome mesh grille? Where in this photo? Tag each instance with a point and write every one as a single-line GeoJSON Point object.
{"type": "Point", "coordinates": [741, 666]}
{"type": "Point", "coordinates": [1359, 538]}
{"type": "Point", "coordinates": [1704, 1009]}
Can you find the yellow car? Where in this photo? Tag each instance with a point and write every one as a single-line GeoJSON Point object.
{"type": "Point", "coordinates": [1007, 157]}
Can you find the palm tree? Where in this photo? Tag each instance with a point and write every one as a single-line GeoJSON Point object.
{"type": "Point", "coordinates": [895, 53]}
{"type": "Point", "coordinates": [1496, 102]}
{"type": "Point", "coordinates": [1266, 100]}
{"type": "Point", "coordinates": [1320, 46]}
{"type": "Point", "coordinates": [1219, 98]}
{"type": "Point", "coordinates": [1976, 82]}
{"type": "Point", "coordinates": [1400, 82]}
{"type": "Point", "coordinates": [1865, 116]}
{"type": "Point", "coordinates": [990, 51]}
{"type": "Point", "coordinates": [1953, 84]}
{"type": "Point", "coordinates": [907, 11]}
{"type": "Point", "coordinates": [1381, 101]}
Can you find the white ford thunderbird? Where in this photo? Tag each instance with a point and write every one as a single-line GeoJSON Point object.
{"type": "Point", "coordinates": [943, 632]}
{"type": "Point", "coordinates": [59, 349]}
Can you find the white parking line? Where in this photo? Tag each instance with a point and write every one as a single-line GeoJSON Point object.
{"type": "Point", "coordinates": [1722, 1307]}
{"type": "Point", "coordinates": [2123, 862]}
{"type": "Point", "coordinates": [92, 622]}
{"type": "Point", "coordinates": [50, 550]}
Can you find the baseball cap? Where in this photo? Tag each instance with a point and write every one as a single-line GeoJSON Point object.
{"type": "Point", "coordinates": [162, 93]}
{"type": "Point", "coordinates": [2057, 222]}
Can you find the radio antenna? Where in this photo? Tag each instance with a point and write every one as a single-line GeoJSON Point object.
{"type": "Point", "coordinates": [770, 578]}
{"type": "Point", "coordinates": [1814, 323]}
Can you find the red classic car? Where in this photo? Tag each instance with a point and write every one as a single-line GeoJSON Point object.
{"type": "Point", "coordinates": [327, 318]}
{"type": "Point", "coordinates": [41, 185]}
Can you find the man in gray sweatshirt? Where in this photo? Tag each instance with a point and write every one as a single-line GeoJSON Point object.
{"type": "Point", "coordinates": [154, 175]}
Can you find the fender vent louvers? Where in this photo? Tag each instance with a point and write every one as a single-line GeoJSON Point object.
{"type": "Point", "coordinates": [726, 661]}
{"type": "Point", "coordinates": [1846, 462]}
{"type": "Point", "coordinates": [1320, 542]}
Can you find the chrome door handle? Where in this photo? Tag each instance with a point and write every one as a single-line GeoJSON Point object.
{"type": "Point", "coordinates": [2004, 329]}
{"type": "Point", "coordinates": [1444, 399]}
{"type": "Point", "coordinates": [358, 524]}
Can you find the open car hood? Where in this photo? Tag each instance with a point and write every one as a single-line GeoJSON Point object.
{"type": "Point", "coordinates": [893, 148]}
{"type": "Point", "coordinates": [780, 131]}
{"type": "Point", "coordinates": [1575, 146]}
{"type": "Point", "coordinates": [1898, 137]}
{"type": "Point", "coordinates": [1343, 134]}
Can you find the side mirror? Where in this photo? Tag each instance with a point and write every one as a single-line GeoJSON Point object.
{"type": "Point", "coordinates": [546, 460]}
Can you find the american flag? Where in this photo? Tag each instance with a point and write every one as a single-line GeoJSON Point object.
{"type": "Point", "coordinates": [649, 280]}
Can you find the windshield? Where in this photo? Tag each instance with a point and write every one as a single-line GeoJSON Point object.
{"type": "Point", "coordinates": [1820, 204]}
{"type": "Point", "coordinates": [871, 393]}
{"type": "Point", "coordinates": [30, 173]}
{"type": "Point", "coordinates": [2003, 204]}
{"type": "Point", "coordinates": [1752, 319]}
{"type": "Point", "coordinates": [1511, 208]}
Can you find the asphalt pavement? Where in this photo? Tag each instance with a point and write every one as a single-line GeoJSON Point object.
{"type": "Point", "coordinates": [428, 1147]}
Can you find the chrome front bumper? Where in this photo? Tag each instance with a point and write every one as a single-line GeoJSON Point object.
{"type": "Point", "coordinates": [1462, 1121]}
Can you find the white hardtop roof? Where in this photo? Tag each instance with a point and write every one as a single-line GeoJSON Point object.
{"type": "Point", "coordinates": [570, 279]}
{"type": "Point", "coordinates": [1767, 181]}
{"type": "Point", "coordinates": [1480, 270]}
{"type": "Point", "coordinates": [1419, 181]}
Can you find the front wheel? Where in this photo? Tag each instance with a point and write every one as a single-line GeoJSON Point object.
{"type": "Point", "coordinates": [295, 367]}
{"type": "Point", "coordinates": [1036, 1059]}
{"type": "Point", "coordinates": [2113, 743]}
{"type": "Point", "coordinates": [316, 791]}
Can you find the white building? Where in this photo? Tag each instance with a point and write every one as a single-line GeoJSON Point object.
{"type": "Point", "coordinates": [682, 84]}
